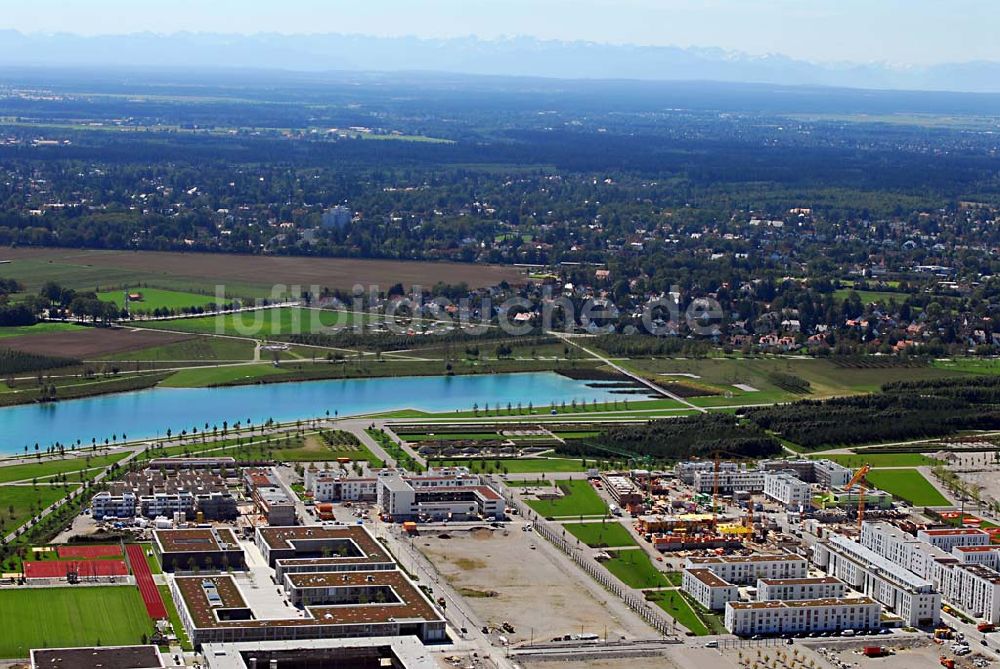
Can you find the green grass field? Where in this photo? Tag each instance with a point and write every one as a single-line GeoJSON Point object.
{"type": "Point", "coordinates": [579, 499]}
{"type": "Point", "coordinates": [19, 503]}
{"type": "Point", "coordinates": [635, 569]}
{"type": "Point", "coordinates": [196, 349]}
{"type": "Point", "coordinates": [907, 484]}
{"type": "Point", "coordinates": [871, 296]}
{"type": "Point", "coordinates": [71, 616]}
{"type": "Point", "coordinates": [208, 376]}
{"type": "Point", "coordinates": [175, 620]}
{"type": "Point", "coordinates": [678, 608]}
{"type": "Point", "coordinates": [157, 298]}
{"type": "Point", "coordinates": [38, 328]}
{"type": "Point", "coordinates": [611, 534]}
{"type": "Point", "coordinates": [70, 466]}
{"type": "Point", "coordinates": [262, 323]}
{"type": "Point", "coordinates": [969, 365]}
{"type": "Point", "coordinates": [880, 460]}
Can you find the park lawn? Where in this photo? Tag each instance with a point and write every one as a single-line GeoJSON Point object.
{"type": "Point", "coordinates": [21, 498]}
{"type": "Point", "coordinates": [71, 617]}
{"type": "Point", "coordinates": [38, 328]}
{"type": "Point", "coordinates": [678, 608]}
{"type": "Point", "coordinates": [515, 465]}
{"type": "Point", "coordinates": [154, 564]}
{"type": "Point", "coordinates": [880, 460]}
{"type": "Point", "coordinates": [578, 499]}
{"type": "Point", "coordinates": [635, 569]}
{"type": "Point", "coordinates": [260, 323]}
{"type": "Point", "coordinates": [70, 466]}
{"type": "Point", "coordinates": [157, 298]}
{"type": "Point", "coordinates": [601, 535]}
{"type": "Point", "coordinates": [202, 377]}
{"type": "Point", "coordinates": [194, 349]}
{"type": "Point", "coordinates": [907, 484]}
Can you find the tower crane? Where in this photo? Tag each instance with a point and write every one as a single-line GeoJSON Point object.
{"type": "Point", "coordinates": [857, 480]}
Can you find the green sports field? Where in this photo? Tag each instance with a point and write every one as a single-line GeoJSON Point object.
{"type": "Point", "coordinates": [71, 616]}
{"type": "Point", "coordinates": [908, 484]}
{"type": "Point", "coordinates": [601, 535]}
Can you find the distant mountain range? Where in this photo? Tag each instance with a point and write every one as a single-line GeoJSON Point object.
{"type": "Point", "coordinates": [520, 56]}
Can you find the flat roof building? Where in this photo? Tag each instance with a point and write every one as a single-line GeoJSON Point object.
{"type": "Point", "coordinates": [811, 615]}
{"type": "Point", "coordinates": [708, 589]}
{"type": "Point", "coordinates": [204, 548]}
{"type": "Point", "coordinates": [747, 570]}
{"type": "Point", "coordinates": [105, 657]}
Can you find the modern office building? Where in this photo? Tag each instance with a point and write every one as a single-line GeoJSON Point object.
{"type": "Point", "coordinates": [947, 538]}
{"type": "Point", "coordinates": [270, 497]}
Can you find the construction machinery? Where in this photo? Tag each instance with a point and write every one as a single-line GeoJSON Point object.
{"type": "Point", "coordinates": [857, 480]}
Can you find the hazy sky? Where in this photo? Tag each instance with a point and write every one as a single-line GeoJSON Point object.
{"type": "Point", "coordinates": [897, 31]}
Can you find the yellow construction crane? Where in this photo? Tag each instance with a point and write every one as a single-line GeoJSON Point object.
{"type": "Point", "coordinates": [859, 476]}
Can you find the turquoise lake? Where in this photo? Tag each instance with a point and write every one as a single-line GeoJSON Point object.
{"type": "Point", "coordinates": [149, 413]}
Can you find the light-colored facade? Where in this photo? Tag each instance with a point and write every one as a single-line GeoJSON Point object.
{"type": "Point", "coordinates": [909, 596]}
{"type": "Point", "coordinates": [730, 481]}
{"type": "Point", "coordinates": [976, 590]}
{"type": "Point", "coordinates": [948, 539]}
{"type": "Point", "coordinates": [106, 505]}
{"type": "Point", "coordinates": [789, 589]}
{"type": "Point", "coordinates": [457, 497]}
{"type": "Point", "coordinates": [747, 570]}
{"type": "Point", "coordinates": [708, 589]}
{"type": "Point", "coordinates": [814, 615]}
{"type": "Point", "coordinates": [787, 489]}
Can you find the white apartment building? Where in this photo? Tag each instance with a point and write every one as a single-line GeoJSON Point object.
{"type": "Point", "coordinates": [829, 474]}
{"type": "Point", "coordinates": [106, 505]}
{"type": "Point", "coordinates": [747, 570]}
{"type": "Point", "coordinates": [988, 556]}
{"type": "Point", "coordinates": [437, 497]}
{"type": "Point", "coordinates": [786, 589]}
{"type": "Point", "coordinates": [811, 615]}
{"type": "Point", "coordinates": [686, 471]}
{"type": "Point", "coordinates": [948, 538]}
{"type": "Point", "coordinates": [976, 590]}
{"type": "Point", "coordinates": [909, 596]}
{"type": "Point", "coordinates": [730, 481]}
{"type": "Point", "coordinates": [785, 488]}
{"type": "Point", "coordinates": [708, 589]}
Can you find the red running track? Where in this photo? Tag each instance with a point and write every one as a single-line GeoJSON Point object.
{"type": "Point", "coordinates": [83, 568]}
{"type": "Point", "coordinates": [144, 579]}
{"type": "Point", "coordinates": [88, 552]}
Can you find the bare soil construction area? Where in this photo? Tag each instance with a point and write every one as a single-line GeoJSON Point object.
{"type": "Point", "coordinates": [504, 579]}
{"type": "Point", "coordinates": [91, 342]}
{"type": "Point", "coordinates": [211, 268]}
